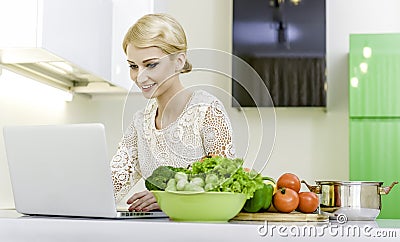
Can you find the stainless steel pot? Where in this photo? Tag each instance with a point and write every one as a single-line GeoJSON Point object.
{"type": "Point", "coordinates": [357, 200]}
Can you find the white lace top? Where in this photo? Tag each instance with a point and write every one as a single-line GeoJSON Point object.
{"type": "Point", "coordinates": [202, 128]}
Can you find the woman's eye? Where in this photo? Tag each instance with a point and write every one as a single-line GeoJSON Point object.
{"type": "Point", "coordinates": [133, 67]}
{"type": "Point", "coordinates": [152, 65]}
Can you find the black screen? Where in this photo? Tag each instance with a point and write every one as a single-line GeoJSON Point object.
{"type": "Point", "coordinates": [285, 42]}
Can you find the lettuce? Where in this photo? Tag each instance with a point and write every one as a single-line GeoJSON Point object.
{"type": "Point", "coordinates": [242, 182]}
{"type": "Point", "coordinates": [231, 175]}
{"type": "Point", "coordinates": [219, 174]}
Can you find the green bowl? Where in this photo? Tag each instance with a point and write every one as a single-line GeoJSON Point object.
{"type": "Point", "coordinates": [204, 206]}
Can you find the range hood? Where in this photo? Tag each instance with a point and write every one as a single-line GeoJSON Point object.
{"type": "Point", "coordinates": [41, 65]}
{"type": "Point", "coordinates": [69, 47]}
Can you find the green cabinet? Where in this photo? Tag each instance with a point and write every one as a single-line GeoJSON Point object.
{"type": "Point", "coordinates": [375, 156]}
{"type": "Point", "coordinates": [374, 113]}
{"type": "Point", "coordinates": [374, 71]}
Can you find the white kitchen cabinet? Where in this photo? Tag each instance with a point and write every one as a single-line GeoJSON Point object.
{"type": "Point", "coordinates": [65, 43]}
{"type": "Point", "coordinates": [125, 14]}
{"type": "Point", "coordinates": [18, 23]}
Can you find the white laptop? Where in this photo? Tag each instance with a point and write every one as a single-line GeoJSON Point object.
{"type": "Point", "coordinates": [63, 170]}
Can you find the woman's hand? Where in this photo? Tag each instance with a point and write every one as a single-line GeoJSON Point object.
{"type": "Point", "coordinates": [142, 201]}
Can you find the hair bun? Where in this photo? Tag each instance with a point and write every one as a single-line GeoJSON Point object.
{"type": "Point", "coordinates": [187, 67]}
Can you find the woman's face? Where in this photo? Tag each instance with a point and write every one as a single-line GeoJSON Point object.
{"type": "Point", "coordinates": [153, 71]}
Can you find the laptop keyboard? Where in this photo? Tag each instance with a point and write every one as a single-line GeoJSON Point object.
{"type": "Point", "coordinates": [127, 213]}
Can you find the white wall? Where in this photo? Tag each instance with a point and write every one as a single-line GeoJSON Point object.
{"type": "Point", "coordinates": [309, 141]}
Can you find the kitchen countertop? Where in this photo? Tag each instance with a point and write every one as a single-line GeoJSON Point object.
{"type": "Point", "coordinates": [16, 227]}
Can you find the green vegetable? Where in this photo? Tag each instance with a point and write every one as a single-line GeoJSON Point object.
{"type": "Point", "coordinates": [221, 166]}
{"type": "Point", "coordinates": [170, 188]}
{"type": "Point", "coordinates": [241, 182]}
{"type": "Point", "coordinates": [180, 185]}
{"type": "Point", "coordinates": [181, 176]}
{"type": "Point", "coordinates": [268, 199]}
{"type": "Point", "coordinates": [180, 169]}
{"type": "Point", "coordinates": [198, 181]}
{"type": "Point", "coordinates": [219, 174]}
{"type": "Point", "coordinates": [211, 179]}
{"type": "Point", "coordinates": [261, 200]}
{"type": "Point", "coordinates": [193, 187]}
{"type": "Point", "coordinates": [209, 187]}
{"type": "Point", "coordinates": [171, 183]}
{"type": "Point", "coordinates": [159, 178]}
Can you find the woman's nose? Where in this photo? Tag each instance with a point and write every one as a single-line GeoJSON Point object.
{"type": "Point", "coordinates": [141, 76]}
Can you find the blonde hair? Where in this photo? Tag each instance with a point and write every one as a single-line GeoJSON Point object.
{"type": "Point", "coordinates": [158, 30]}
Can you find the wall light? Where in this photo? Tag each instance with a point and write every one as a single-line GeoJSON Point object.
{"type": "Point", "coordinates": [53, 68]}
{"type": "Point", "coordinates": [367, 52]}
{"type": "Point", "coordinates": [354, 82]}
{"type": "Point", "coordinates": [364, 67]}
{"type": "Point", "coordinates": [62, 65]}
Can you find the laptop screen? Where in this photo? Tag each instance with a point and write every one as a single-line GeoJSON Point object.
{"type": "Point", "coordinates": [60, 170]}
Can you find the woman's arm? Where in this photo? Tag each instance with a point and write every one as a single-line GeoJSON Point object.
{"type": "Point", "coordinates": [125, 169]}
{"type": "Point", "coordinates": [217, 131]}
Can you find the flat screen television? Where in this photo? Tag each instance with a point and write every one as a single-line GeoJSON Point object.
{"type": "Point", "coordinates": [284, 41]}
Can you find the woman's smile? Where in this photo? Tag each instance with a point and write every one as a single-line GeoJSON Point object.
{"type": "Point", "coordinates": [147, 88]}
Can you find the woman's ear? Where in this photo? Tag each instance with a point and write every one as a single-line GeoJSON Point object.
{"type": "Point", "coordinates": [180, 61]}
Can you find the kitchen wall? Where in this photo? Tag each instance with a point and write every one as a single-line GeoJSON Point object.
{"type": "Point", "coordinates": [311, 142]}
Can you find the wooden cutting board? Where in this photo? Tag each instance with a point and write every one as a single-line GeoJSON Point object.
{"type": "Point", "coordinates": [281, 217]}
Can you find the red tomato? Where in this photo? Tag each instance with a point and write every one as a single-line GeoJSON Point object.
{"type": "Point", "coordinates": [308, 202]}
{"type": "Point", "coordinates": [289, 180]}
{"type": "Point", "coordinates": [286, 200]}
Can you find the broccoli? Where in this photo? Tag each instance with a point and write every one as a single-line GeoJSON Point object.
{"type": "Point", "coordinates": [160, 177]}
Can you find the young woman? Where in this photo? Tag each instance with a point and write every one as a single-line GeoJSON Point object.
{"type": "Point", "coordinates": [178, 126]}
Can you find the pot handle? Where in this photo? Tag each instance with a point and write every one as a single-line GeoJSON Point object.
{"type": "Point", "coordinates": [314, 189]}
{"type": "Point", "coordinates": [386, 190]}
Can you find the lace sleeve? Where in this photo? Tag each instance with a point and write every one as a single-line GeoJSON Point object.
{"type": "Point", "coordinates": [124, 164]}
{"type": "Point", "coordinates": [217, 131]}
